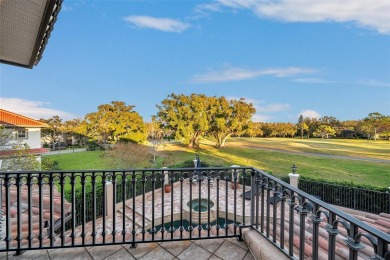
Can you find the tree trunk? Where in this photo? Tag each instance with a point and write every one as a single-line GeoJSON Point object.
{"type": "Point", "coordinates": [224, 140]}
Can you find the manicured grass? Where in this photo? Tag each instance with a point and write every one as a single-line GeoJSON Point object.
{"type": "Point", "coordinates": [278, 163]}
{"type": "Point", "coordinates": [360, 148]}
{"type": "Point", "coordinates": [80, 160]}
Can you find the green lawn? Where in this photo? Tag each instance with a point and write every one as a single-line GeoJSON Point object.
{"type": "Point", "coordinates": [278, 163]}
{"type": "Point", "coordinates": [80, 160]}
{"type": "Point", "coordinates": [360, 148]}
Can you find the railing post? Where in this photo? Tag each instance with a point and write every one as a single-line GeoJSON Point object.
{"type": "Point", "coordinates": [316, 220]}
{"type": "Point", "coordinates": [253, 196]}
{"type": "Point", "coordinates": [333, 232]}
{"type": "Point", "coordinates": [294, 179]}
{"type": "Point", "coordinates": [109, 199]}
{"type": "Point", "coordinates": [235, 183]}
{"type": "Point", "coordinates": [302, 211]}
{"type": "Point", "coordinates": [382, 251]}
{"type": "Point", "coordinates": [291, 204]}
{"type": "Point", "coordinates": [353, 245]}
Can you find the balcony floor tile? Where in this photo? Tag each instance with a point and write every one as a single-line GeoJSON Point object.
{"type": "Point", "coordinates": [195, 252]}
{"type": "Point", "coordinates": [229, 250]}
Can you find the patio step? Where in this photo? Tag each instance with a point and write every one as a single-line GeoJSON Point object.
{"type": "Point", "coordinates": [139, 215]}
{"type": "Point", "coordinates": [128, 215]}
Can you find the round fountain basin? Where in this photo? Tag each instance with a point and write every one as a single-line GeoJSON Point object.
{"type": "Point", "coordinates": [204, 205]}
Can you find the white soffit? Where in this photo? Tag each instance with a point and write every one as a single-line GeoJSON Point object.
{"type": "Point", "coordinates": [23, 25]}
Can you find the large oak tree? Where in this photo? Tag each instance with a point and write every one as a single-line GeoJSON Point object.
{"type": "Point", "coordinates": [116, 121]}
{"type": "Point", "coordinates": [196, 115]}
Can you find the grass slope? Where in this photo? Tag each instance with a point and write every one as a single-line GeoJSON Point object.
{"type": "Point", "coordinates": [80, 160]}
{"type": "Point", "coordinates": [278, 163]}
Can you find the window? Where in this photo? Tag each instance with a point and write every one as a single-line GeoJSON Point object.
{"type": "Point", "coordinates": [22, 133]}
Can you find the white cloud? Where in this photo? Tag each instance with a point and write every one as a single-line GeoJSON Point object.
{"type": "Point", "coordinates": [236, 74]}
{"type": "Point", "coordinates": [313, 80]}
{"type": "Point", "coordinates": [309, 113]}
{"type": "Point", "coordinates": [238, 3]}
{"type": "Point", "coordinates": [33, 109]}
{"type": "Point", "coordinates": [272, 108]}
{"type": "Point", "coordinates": [206, 8]}
{"type": "Point", "coordinates": [374, 83]}
{"type": "Point", "coordinates": [260, 118]}
{"type": "Point", "coordinates": [364, 13]}
{"type": "Point", "coordinates": [161, 24]}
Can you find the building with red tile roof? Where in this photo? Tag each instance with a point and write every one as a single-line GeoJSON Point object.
{"type": "Point", "coordinates": [26, 131]}
{"type": "Point", "coordinates": [10, 119]}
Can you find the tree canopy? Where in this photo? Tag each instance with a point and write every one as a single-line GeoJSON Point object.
{"type": "Point", "coordinates": [115, 121]}
{"type": "Point", "coordinates": [196, 115]}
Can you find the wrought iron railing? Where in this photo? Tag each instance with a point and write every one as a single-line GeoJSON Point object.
{"type": "Point", "coordinates": [40, 211]}
{"type": "Point", "coordinates": [348, 196]}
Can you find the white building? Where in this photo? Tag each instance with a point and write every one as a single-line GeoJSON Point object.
{"type": "Point", "coordinates": [24, 130]}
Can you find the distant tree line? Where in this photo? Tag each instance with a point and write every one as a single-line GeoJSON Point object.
{"type": "Point", "coordinates": [374, 126]}
{"type": "Point", "coordinates": [187, 118]}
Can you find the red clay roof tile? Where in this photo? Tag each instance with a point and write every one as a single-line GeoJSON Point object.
{"type": "Point", "coordinates": [8, 118]}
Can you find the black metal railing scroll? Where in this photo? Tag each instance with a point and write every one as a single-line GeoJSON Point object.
{"type": "Point", "coordinates": [313, 228]}
{"type": "Point", "coordinates": [85, 208]}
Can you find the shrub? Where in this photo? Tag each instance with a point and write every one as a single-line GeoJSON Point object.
{"type": "Point", "coordinates": [94, 145]}
{"type": "Point", "coordinates": [49, 164]}
{"type": "Point", "coordinates": [129, 155]}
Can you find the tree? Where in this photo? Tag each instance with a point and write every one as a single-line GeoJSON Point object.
{"type": "Point", "coordinates": [116, 121]}
{"type": "Point", "coordinates": [349, 128]}
{"type": "Point", "coordinates": [312, 124]}
{"type": "Point", "coordinates": [302, 126]}
{"type": "Point", "coordinates": [385, 129]}
{"type": "Point", "coordinates": [187, 116]}
{"type": "Point", "coordinates": [76, 129]}
{"type": "Point", "coordinates": [7, 139]}
{"type": "Point", "coordinates": [155, 135]}
{"type": "Point", "coordinates": [229, 117]}
{"type": "Point", "coordinates": [14, 155]}
{"type": "Point", "coordinates": [330, 121]}
{"type": "Point", "coordinates": [196, 115]}
{"type": "Point", "coordinates": [373, 124]}
{"type": "Point", "coordinates": [55, 132]}
{"type": "Point", "coordinates": [325, 131]}
{"type": "Point", "coordinates": [254, 129]}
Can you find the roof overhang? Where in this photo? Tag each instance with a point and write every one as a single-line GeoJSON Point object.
{"type": "Point", "coordinates": [25, 27]}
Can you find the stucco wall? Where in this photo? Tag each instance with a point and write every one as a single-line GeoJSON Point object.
{"type": "Point", "coordinates": [34, 138]}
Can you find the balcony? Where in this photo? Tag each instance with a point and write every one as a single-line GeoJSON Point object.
{"type": "Point", "coordinates": [178, 213]}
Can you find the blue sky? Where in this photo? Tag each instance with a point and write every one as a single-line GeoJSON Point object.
{"type": "Point", "coordinates": [286, 57]}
